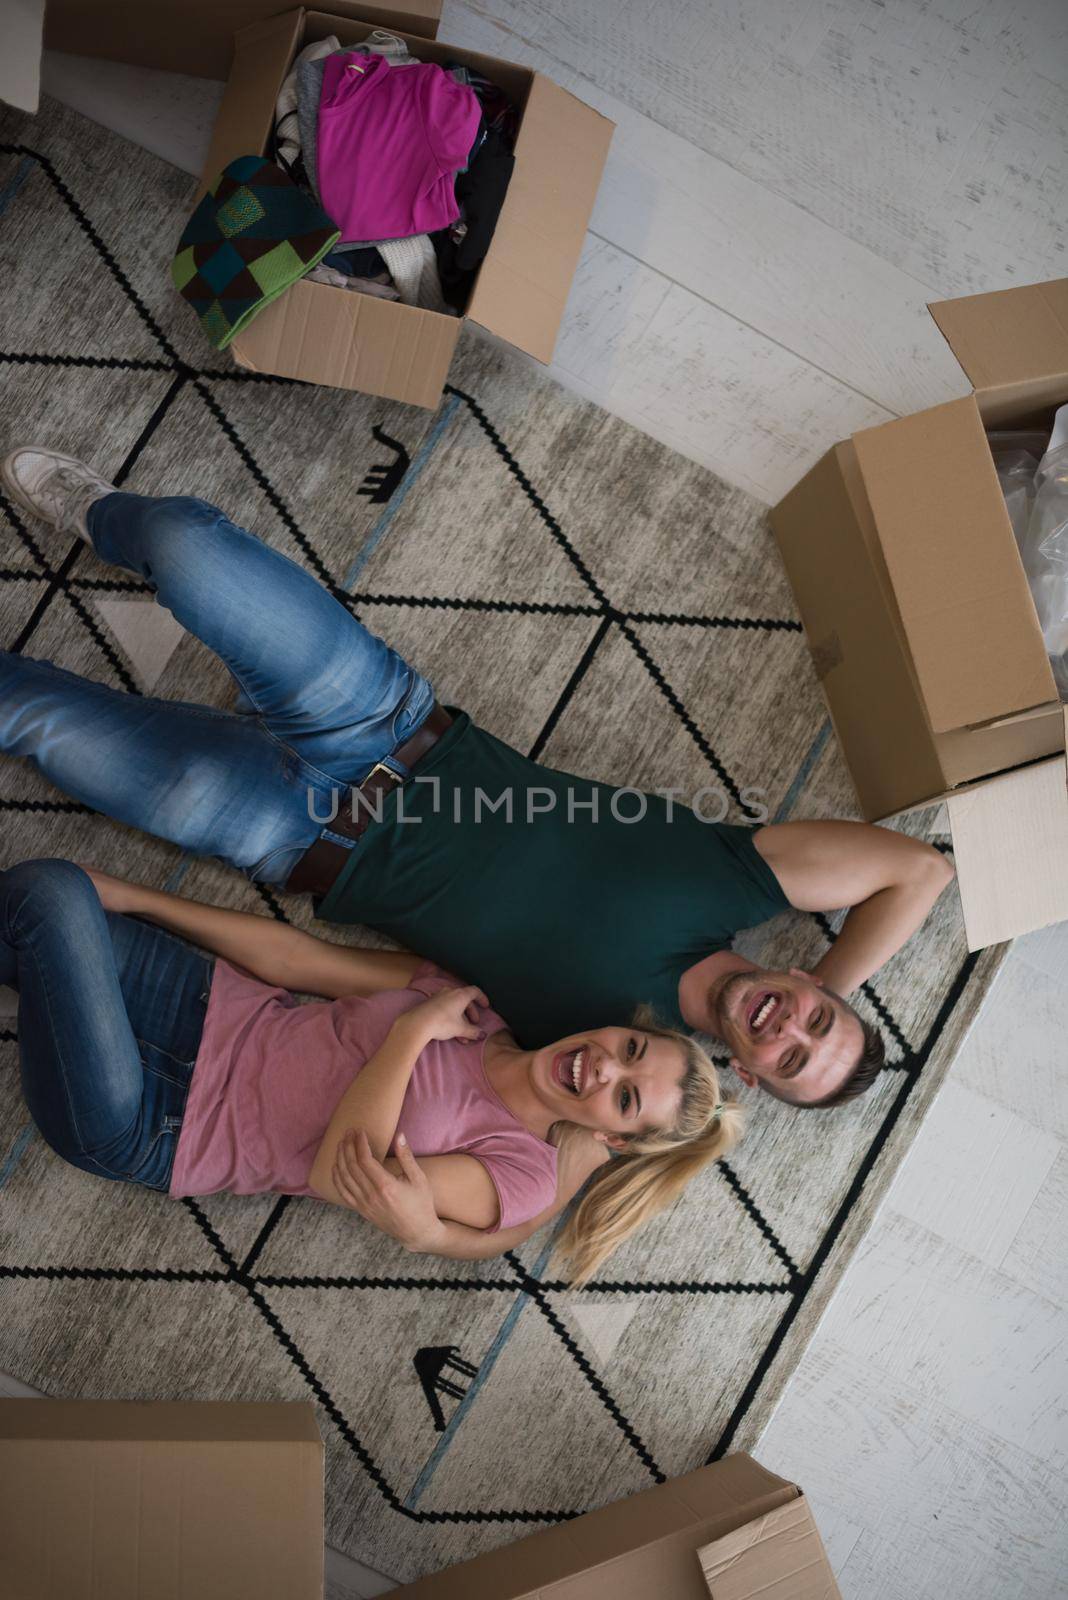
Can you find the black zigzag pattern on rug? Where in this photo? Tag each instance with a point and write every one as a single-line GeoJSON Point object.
{"type": "Point", "coordinates": [61, 580]}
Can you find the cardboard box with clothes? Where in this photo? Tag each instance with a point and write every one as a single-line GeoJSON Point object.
{"type": "Point", "coordinates": [921, 622]}
{"type": "Point", "coordinates": [324, 334]}
{"type": "Point", "coordinates": [541, 175]}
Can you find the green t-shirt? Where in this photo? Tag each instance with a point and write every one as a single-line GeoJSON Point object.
{"type": "Point", "coordinates": [566, 924]}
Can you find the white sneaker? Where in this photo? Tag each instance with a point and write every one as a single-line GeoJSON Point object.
{"type": "Point", "coordinates": [56, 488]}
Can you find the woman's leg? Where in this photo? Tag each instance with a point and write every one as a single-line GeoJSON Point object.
{"type": "Point", "coordinates": [205, 780]}
{"type": "Point", "coordinates": [326, 687]}
{"type": "Point", "coordinates": [110, 1017]}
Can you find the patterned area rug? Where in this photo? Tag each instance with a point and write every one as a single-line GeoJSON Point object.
{"type": "Point", "coordinates": [585, 593]}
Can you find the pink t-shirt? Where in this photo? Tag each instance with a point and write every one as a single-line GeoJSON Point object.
{"type": "Point", "coordinates": [270, 1072]}
{"type": "Point", "coordinates": [390, 140]}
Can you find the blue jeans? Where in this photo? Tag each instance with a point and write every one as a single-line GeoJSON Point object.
{"type": "Point", "coordinates": [326, 698]}
{"type": "Point", "coordinates": [111, 1012]}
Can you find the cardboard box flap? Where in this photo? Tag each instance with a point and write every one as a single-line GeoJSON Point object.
{"type": "Point", "coordinates": [641, 1546]}
{"type": "Point", "coordinates": [960, 587]}
{"type": "Point", "coordinates": [778, 1556]}
{"type": "Point", "coordinates": [560, 153]}
{"type": "Point", "coordinates": [351, 341]}
{"type": "Point", "coordinates": [1010, 842]}
{"type": "Point", "coordinates": [1010, 337]}
{"type": "Point", "coordinates": [262, 53]}
{"type": "Point", "coordinates": [197, 1500]}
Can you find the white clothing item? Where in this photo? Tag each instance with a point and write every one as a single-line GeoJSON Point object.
{"type": "Point", "coordinates": [338, 280]}
{"type": "Point", "coordinates": [286, 126]}
{"type": "Point", "coordinates": [413, 266]}
{"type": "Point", "coordinates": [381, 43]}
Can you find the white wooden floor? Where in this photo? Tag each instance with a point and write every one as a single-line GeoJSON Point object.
{"type": "Point", "coordinates": [790, 183]}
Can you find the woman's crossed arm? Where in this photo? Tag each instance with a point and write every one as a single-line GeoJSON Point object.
{"type": "Point", "coordinates": [419, 1202]}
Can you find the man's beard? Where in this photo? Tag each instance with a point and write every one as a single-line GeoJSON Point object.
{"type": "Point", "coordinates": [719, 997]}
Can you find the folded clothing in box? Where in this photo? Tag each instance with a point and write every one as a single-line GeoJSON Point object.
{"type": "Point", "coordinates": [416, 161]}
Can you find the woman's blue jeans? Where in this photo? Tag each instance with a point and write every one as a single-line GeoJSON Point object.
{"type": "Point", "coordinates": [326, 699]}
{"type": "Point", "coordinates": [111, 1012]}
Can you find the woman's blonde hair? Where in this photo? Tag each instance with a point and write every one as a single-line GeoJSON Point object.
{"type": "Point", "coordinates": [655, 1167]}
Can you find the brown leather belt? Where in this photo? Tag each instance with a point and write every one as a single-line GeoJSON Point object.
{"type": "Point", "coordinates": [320, 864]}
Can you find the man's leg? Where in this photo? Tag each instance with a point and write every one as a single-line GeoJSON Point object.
{"type": "Point", "coordinates": [332, 700]}
{"type": "Point", "coordinates": [205, 780]}
{"type": "Point", "coordinates": [323, 685]}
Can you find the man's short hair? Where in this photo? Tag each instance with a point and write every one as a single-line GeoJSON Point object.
{"type": "Point", "coordinates": [869, 1065]}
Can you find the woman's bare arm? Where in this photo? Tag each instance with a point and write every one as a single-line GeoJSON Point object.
{"type": "Point", "coordinates": [270, 950]}
{"type": "Point", "coordinates": [398, 1197]}
{"type": "Point", "coordinates": [462, 1193]}
{"type": "Point", "coordinates": [375, 1096]}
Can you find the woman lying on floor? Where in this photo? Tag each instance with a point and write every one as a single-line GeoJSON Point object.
{"type": "Point", "coordinates": [115, 1014]}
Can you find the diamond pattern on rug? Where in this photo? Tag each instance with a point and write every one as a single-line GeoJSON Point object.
{"type": "Point", "coordinates": [67, 309]}
{"type": "Point", "coordinates": [601, 1327]}
{"type": "Point", "coordinates": [147, 635]}
{"type": "Point", "coordinates": [598, 601]}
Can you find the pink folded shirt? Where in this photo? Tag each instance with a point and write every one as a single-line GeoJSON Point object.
{"type": "Point", "coordinates": [269, 1075]}
{"type": "Point", "coordinates": [390, 140]}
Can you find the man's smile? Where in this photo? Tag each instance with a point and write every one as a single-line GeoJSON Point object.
{"type": "Point", "coordinates": [761, 1011]}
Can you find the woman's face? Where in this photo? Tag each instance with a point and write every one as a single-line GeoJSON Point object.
{"type": "Point", "coordinates": [614, 1080]}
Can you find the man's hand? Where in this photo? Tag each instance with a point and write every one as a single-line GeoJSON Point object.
{"type": "Point", "coordinates": [401, 1206]}
{"type": "Point", "coordinates": [115, 893]}
{"type": "Point", "coordinates": [889, 881]}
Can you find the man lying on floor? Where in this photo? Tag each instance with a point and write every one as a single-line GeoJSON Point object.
{"type": "Point", "coordinates": [529, 882]}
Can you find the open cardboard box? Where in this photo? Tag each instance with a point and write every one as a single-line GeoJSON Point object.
{"type": "Point", "coordinates": [921, 623]}
{"type": "Point", "coordinates": [732, 1531]}
{"type": "Point", "coordinates": [177, 1500]}
{"type": "Point", "coordinates": [315, 332]}
{"type": "Point", "coordinates": [353, 341]}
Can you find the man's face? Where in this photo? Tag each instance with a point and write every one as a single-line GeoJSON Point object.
{"type": "Point", "coordinates": [786, 1033]}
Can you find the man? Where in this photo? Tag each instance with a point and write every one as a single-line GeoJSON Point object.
{"type": "Point", "coordinates": [344, 778]}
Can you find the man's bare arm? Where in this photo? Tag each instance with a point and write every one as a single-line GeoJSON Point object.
{"type": "Point", "coordinates": [889, 881]}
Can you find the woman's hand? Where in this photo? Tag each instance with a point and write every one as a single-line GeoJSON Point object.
{"type": "Point", "coordinates": [115, 893]}
{"type": "Point", "coordinates": [450, 1014]}
{"type": "Point", "coordinates": [401, 1206]}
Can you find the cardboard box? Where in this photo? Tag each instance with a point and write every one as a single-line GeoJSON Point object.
{"type": "Point", "coordinates": [920, 620]}
{"type": "Point", "coordinates": [190, 36]}
{"type": "Point", "coordinates": [196, 36]}
{"type": "Point", "coordinates": [20, 59]}
{"type": "Point", "coordinates": [732, 1530]}
{"type": "Point", "coordinates": [160, 1500]}
{"type": "Point", "coordinates": [353, 341]}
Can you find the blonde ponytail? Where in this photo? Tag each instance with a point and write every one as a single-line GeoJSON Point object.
{"type": "Point", "coordinates": [654, 1168]}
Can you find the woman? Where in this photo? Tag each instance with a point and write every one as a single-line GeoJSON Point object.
{"type": "Point", "coordinates": [144, 1060]}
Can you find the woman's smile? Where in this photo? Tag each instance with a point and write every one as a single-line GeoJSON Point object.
{"type": "Point", "coordinates": [571, 1069]}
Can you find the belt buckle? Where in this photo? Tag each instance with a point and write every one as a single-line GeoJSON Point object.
{"type": "Point", "coordinates": [380, 766]}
